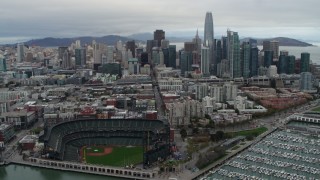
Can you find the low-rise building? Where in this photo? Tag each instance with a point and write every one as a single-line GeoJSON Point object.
{"type": "Point", "coordinates": [6, 132]}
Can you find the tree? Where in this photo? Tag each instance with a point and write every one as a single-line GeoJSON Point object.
{"type": "Point", "coordinates": [195, 130]}
{"type": "Point", "coordinates": [207, 116]}
{"type": "Point", "coordinates": [211, 124]}
{"type": "Point", "coordinates": [219, 135]}
{"type": "Point", "coordinates": [183, 133]}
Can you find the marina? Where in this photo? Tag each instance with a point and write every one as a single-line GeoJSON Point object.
{"type": "Point", "coordinates": [284, 154]}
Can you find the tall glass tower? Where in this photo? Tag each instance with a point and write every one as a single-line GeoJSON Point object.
{"type": "Point", "coordinates": [208, 30]}
{"type": "Point", "coordinates": [209, 39]}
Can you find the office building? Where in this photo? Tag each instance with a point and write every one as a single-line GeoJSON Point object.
{"type": "Point", "coordinates": [3, 64]}
{"type": "Point", "coordinates": [166, 55]}
{"type": "Point", "coordinates": [158, 35]}
{"type": "Point", "coordinates": [291, 60]}
{"type": "Point", "coordinates": [197, 42]}
{"type": "Point", "coordinates": [234, 54]}
{"type": "Point", "coordinates": [20, 52]}
{"type": "Point", "coordinates": [245, 59]}
{"type": "Point", "coordinates": [164, 43]}
{"type": "Point", "coordinates": [218, 54]}
{"type": "Point", "coordinates": [268, 58]}
{"type": "Point", "coordinates": [205, 61]}
{"type": "Point", "coordinates": [61, 51]}
{"type": "Point", "coordinates": [282, 64]}
{"type": "Point", "coordinates": [66, 60]}
{"type": "Point", "coordinates": [80, 56]}
{"type": "Point", "coordinates": [131, 45]}
{"type": "Point", "coordinates": [172, 56]}
{"type": "Point", "coordinates": [185, 62]}
{"type": "Point", "coordinates": [305, 62]}
{"type": "Point", "coordinates": [272, 46]}
{"type": "Point", "coordinates": [111, 68]}
{"type": "Point", "coordinates": [134, 66]}
{"type": "Point", "coordinates": [254, 61]}
{"type": "Point", "coordinates": [305, 81]}
{"type": "Point", "coordinates": [110, 57]}
{"type": "Point", "coordinates": [208, 31]}
{"type": "Point", "coordinates": [284, 52]}
{"type": "Point", "coordinates": [144, 58]}
{"type": "Point", "coordinates": [208, 40]}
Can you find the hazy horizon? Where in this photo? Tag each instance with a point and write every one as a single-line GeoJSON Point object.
{"type": "Point", "coordinates": [33, 19]}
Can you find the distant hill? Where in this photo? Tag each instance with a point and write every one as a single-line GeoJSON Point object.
{"type": "Point", "coordinates": [142, 38]}
{"type": "Point", "coordinates": [51, 42]}
{"type": "Point", "coordinates": [283, 41]}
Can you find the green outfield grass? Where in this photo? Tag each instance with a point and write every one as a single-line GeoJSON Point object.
{"type": "Point", "coordinates": [120, 156]}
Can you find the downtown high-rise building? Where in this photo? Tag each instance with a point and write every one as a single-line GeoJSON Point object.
{"type": "Point", "coordinates": [80, 56]}
{"type": "Point", "coordinates": [254, 60]}
{"type": "Point", "coordinates": [268, 58]}
{"type": "Point", "coordinates": [245, 59]}
{"type": "Point", "coordinates": [272, 46]}
{"type": "Point", "coordinates": [291, 60]}
{"type": "Point", "coordinates": [305, 62]}
{"type": "Point", "coordinates": [205, 61]}
{"type": "Point", "coordinates": [159, 35]}
{"type": "Point", "coordinates": [3, 64]}
{"type": "Point", "coordinates": [233, 54]}
{"type": "Point", "coordinates": [20, 52]}
{"type": "Point", "coordinates": [282, 64]}
{"type": "Point", "coordinates": [131, 45]}
{"type": "Point", "coordinates": [185, 63]}
{"type": "Point", "coordinates": [172, 56]}
{"type": "Point", "coordinates": [208, 30]}
{"type": "Point", "coordinates": [208, 40]}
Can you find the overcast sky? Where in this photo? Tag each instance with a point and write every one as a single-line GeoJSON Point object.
{"type": "Point", "coordinates": [26, 19]}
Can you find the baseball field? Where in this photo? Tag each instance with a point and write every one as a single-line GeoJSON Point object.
{"type": "Point", "coordinates": [119, 156]}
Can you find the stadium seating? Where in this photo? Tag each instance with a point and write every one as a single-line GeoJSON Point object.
{"type": "Point", "coordinates": [66, 138]}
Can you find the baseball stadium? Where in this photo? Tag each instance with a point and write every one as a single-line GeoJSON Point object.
{"type": "Point", "coordinates": [110, 142]}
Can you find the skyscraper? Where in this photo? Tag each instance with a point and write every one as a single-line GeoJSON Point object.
{"type": "Point", "coordinates": [3, 64]}
{"type": "Point", "coordinates": [185, 62]}
{"type": "Point", "coordinates": [208, 30]}
{"type": "Point", "coordinates": [80, 56]}
{"type": "Point", "coordinates": [197, 41]}
{"type": "Point", "coordinates": [110, 58]}
{"type": "Point", "coordinates": [158, 35]}
{"type": "Point", "coordinates": [61, 51]}
{"type": "Point", "coordinates": [20, 52]}
{"type": "Point", "coordinates": [205, 61]}
{"type": "Point", "coordinates": [208, 40]}
{"type": "Point", "coordinates": [305, 81]}
{"type": "Point", "coordinates": [282, 64]}
{"type": "Point", "coordinates": [166, 59]}
{"type": "Point", "coordinates": [218, 52]}
{"type": "Point", "coordinates": [272, 46]}
{"type": "Point", "coordinates": [131, 45]}
{"type": "Point", "coordinates": [246, 47]}
{"type": "Point", "coordinates": [268, 58]}
{"type": "Point", "coordinates": [66, 60]}
{"type": "Point", "coordinates": [254, 61]}
{"type": "Point", "coordinates": [305, 62]}
{"type": "Point", "coordinates": [172, 56]}
{"type": "Point", "coordinates": [291, 64]}
{"type": "Point", "coordinates": [233, 53]}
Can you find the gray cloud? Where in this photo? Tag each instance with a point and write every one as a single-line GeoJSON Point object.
{"type": "Point", "coordinates": [60, 18]}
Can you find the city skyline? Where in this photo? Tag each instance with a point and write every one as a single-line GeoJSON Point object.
{"type": "Point", "coordinates": [259, 19]}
